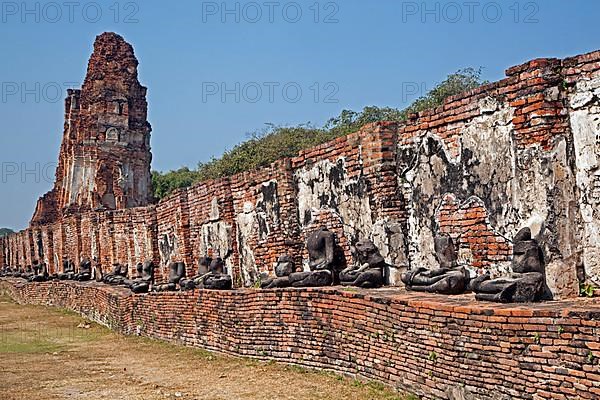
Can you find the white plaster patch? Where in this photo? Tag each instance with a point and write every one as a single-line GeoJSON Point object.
{"type": "Point", "coordinates": [585, 125]}
{"type": "Point", "coordinates": [256, 220]}
{"type": "Point", "coordinates": [325, 187]}
{"type": "Point", "coordinates": [246, 225]}
{"type": "Point", "coordinates": [216, 239]}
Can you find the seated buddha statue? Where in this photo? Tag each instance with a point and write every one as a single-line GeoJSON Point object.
{"type": "Point", "coordinates": [527, 281]}
{"type": "Point", "coordinates": [197, 280]}
{"type": "Point", "coordinates": [145, 281]}
{"type": "Point", "coordinates": [321, 246]}
{"type": "Point", "coordinates": [85, 270]}
{"type": "Point", "coordinates": [369, 269]}
{"type": "Point", "coordinates": [283, 269]}
{"type": "Point", "coordinates": [448, 278]}
{"type": "Point", "coordinates": [117, 276]}
{"type": "Point", "coordinates": [217, 278]}
{"type": "Point", "coordinates": [68, 270]}
{"type": "Point", "coordinates": [41, 274]}
{"type": "Point", "coordinates": [176, 273]}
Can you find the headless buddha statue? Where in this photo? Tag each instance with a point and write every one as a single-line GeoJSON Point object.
{"type": "Point", "coordinates": [449, 278]}
{"type": "Point", "coordinates": [322, 261]}
{"type": "Point", "coordinates": [176, 273]}
{"type": "Point", "coordinates": [369, 269]}
{"type": "Point", "coordinates": [525, 284]}
{"type": "Point", "coordinates": [145, 281]}
{"type": "Point", "coordinates": [283, 269]}
{"type": "Point", "coordinates": [197, 280]}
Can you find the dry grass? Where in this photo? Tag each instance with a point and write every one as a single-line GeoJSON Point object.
{"type": "Point", "coordinates": [44, 355]}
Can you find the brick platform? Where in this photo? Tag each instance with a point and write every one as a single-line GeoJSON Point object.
{"type": "Point", "coordinates": [424, 344]}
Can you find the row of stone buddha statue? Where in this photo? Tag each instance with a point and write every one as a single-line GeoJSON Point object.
{"type": "Point", "coordinates": [210, 275]}
{"type": "Point", "coordinates": [140, 282]}
{"type": "Point", "coordinates": [326, 266]}
{"type": "Point", "coordinates": [39, 272]}
{"type": "Point", "coordinates": [526, 283]}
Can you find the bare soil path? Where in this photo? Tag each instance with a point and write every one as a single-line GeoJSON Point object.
{"type": "Point", "coordinates": [47, 354]}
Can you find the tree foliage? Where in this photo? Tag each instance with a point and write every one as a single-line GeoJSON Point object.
{"type": "Point", "coordinates": [5, 232]}
{"type": "Point", "coordinates": [275, 142]}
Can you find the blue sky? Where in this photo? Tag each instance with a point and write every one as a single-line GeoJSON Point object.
{"type": "Point", "coordinates": [218, 70]}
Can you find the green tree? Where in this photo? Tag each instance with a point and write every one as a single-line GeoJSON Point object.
{"type": "Point", "coordinates": [5, 232]}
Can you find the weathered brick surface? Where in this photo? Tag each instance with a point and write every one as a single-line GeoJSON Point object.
{"type": "Point", "coordinates": [266, 219]}
{"type": "Point", "coordinates": [419, 343]}
{"type": "Point", "coordinates": [173, 218]}
{"type": "Point", "coordinates": [468, 224]}
{"type": "Point", "coordinates": [212, 224]}
{"type": "Point", "coordinates": [481, 166]}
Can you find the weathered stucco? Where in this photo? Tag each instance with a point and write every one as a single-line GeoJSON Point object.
{"type": "Point", "coordinates": [254, 225]}
{"type": "Point", "coordinates": [329, 194]}
{"type": "Point", "coordinates": [216, 236]}
{"type": "Point", "coordinates": [516, 187]}
{"type": "Point", "coordinates": [326, 187]}
{"type": "Point", "coordinates": [585, 123]}
{"type": "Point", "coordinates": [481, 168]}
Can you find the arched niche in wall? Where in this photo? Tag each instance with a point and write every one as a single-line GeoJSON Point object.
{"type": "Point", "coordinates": [112, 135]}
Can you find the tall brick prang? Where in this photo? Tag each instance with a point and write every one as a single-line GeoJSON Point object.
{"type": "Point", "coordinates": [104, 161]}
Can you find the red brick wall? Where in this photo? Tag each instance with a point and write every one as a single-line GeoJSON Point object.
{"type": "Point", "coordinates": [72, 238]}
{"type": "Point", "coordinates": [468, 224]}
{"type": "Point", "coordinates": [58, 240]}
{"type": "Point", "coordinates": [266, 218]}
{"type": "Point", "coordinates": [144, 225]}
{"type": "Point", "coordinates": [375, 174]}
{"type": "Point", "coordinates": [89, 225]}
{"type": "Point", "coordinates": [211, 213]}
{"type": "Point", "coordinates": [367, 160]}
{"type": "Point", "coordinates": [174, 229]}
{"type": "Point", "coordinates": [536, 119]}
{"type": "Point", "coordinates": [423, 344]}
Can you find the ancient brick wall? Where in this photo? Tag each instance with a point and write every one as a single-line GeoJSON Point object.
{"type": "Point", "coordinates": [144, 235]}
{"type": "Point", "coordinates": [503, 154]}
{"type": "Point", "coordinates": [212, 230]}
{"type": "Point", "coordinates": [72, 238]}
{"type": "Point", "coordinates": [106, 241]}
{"type": "Point", "coordinates": [519, 152]}
{"type": "Point", "coordinates": [350, 186]}
{"type": "Point", "coordinates": [173, 232]}
{"type": "Point", "coordinates": [264, 205]}
{"type": "Point", "coordinates": [424, 344]}
{"type": "Point", "coordinates": [89, 235]}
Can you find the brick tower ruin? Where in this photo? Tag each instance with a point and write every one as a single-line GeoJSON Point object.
{"type": "Point", "coordinates": [104, 161]}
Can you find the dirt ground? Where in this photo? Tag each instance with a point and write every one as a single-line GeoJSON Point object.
{"type": "Point", "coordinates": [47, 353]}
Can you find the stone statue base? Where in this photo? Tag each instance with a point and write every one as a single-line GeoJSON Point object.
{"type": "Point", "coordinates": [519, 288]}
{"type": "Point", "coordinates": [311, 279]}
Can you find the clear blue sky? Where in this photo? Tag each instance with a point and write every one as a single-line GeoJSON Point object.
{"type": "Point", "coordinates": [358, 53]}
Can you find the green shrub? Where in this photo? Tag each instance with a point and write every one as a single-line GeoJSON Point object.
{"type": "Point", "coordinates": [275, 142]}
{"type": "Point", "coordinates": [5, 232]}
